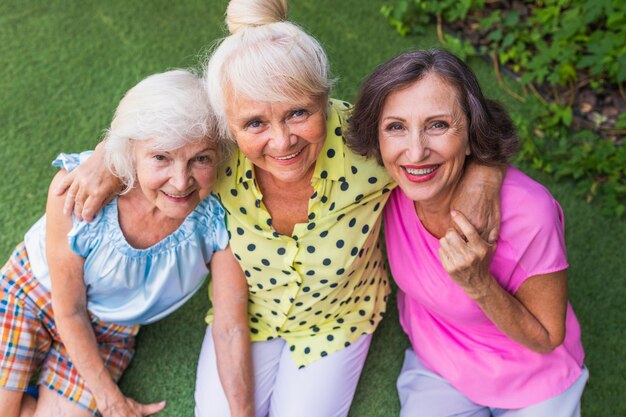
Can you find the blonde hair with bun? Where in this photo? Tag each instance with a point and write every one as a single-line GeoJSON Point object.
{"type": "Point", "coordinates": [265, 58]}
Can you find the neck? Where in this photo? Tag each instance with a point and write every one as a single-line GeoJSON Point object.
{"type": "Point", "coordinates": [434, 213]}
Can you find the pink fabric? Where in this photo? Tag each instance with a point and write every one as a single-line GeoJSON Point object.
{"type": "Point", "coordinates": [449, 332]}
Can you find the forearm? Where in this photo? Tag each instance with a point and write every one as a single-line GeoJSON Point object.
{"type": "Point", "coordinates": [80, 341]}
{"type": "Point", "coordinates": [512, 317]}
{"type": "Point", "coordinates": [234, 365]}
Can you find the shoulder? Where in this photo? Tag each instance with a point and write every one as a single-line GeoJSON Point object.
{"type": "Point", "coordinates": [527, 201]}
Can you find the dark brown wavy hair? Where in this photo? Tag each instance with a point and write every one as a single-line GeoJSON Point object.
{"type": "Point", "coordinates": [492, 136]}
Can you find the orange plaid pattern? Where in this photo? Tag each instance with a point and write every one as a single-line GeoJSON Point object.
{"type": "Point", "coordinates": [30, 343]}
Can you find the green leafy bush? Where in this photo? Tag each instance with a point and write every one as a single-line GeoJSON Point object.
{"type": "Point", "coordinates": [555, 46]}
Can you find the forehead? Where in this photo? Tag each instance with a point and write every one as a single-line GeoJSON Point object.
{"type": "Point", "coordinates": [240, 106]}
{"type": "Point", "coordinates": [429, 94]}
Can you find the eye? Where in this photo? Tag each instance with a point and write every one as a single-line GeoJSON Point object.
{"type": "Point", "coordinates": [439, 125]}
{"type": "Point", "coordinates": [394, 127]}
{"type": "Point", "coordinates": [205, 159]}
{"type": "Point", "coordinates": [254, 124]}
{"type": "Point", "coordinates": [299, 113]}
{"type": "Point", "coordinates": [159, 157]}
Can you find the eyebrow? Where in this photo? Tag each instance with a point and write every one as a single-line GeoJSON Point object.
{"type": "Point", "coordinates": [434, 116]}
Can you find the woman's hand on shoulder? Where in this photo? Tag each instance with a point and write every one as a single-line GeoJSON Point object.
{"type": "Point", "coordinates": [466, 257]}
{"type": "Point", "coordinates": [89, 187]}
{"type": "Point", "coordinates": [478, 196]}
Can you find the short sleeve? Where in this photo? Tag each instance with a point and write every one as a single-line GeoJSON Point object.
{"type": "Point", "coordinates": [532, 231]}
{"type": "Point", "coordinates": [214, 221]}
{"type": "Point", "coordinates": [84, 237]}
{"type": "Point", "coordinates": [69, 161]}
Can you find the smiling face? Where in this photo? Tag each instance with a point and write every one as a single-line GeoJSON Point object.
{"type": "Point", "coordinates": [175, 182]}
{"type": "Point", "coordinates": [281, 139]}
{"type": "Point", "coordinates": [423, 139]}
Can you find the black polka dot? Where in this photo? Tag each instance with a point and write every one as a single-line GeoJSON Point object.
{"type": "Point", "coordinates": [332, 207]}
{"type": "Point", "coordinates": [353, 329]}
{"type": "Point", "coordinates": [246, 186]}
{"type": "Point", "coordinates": [330, 153]}
{"type": "Point", "coordinates": [311, 216]}
{"type": "Point", "coordinates": [251, 247]}
{"type": "Point", "coordinates": [324, 233]}
{"type": "Point", "coordinates": [362, 312]}
{"type": "Point", "coordinates": [330, 337]}
{"type": "Point", "coordinates": [341, 216]}
{"type": "Point", "coordinates": [249, 174]}
{"type": "Point", "coordinates": [323, 354]}
{"type": "Point", "coordinates": [344, 186]}
{"type": "Point", "coordinates": [239, 231]}
{"type": "Point", "coordinates": [315, 295]}
{"type": "Point", "coordinates": [365, 229]}
{"type": "Point", "coordinates": [340, 320]}
{"type": "Point", "coordinates": [324, 199]}
{"type": "Point", "coordinates": [233, 192]}
{"type": "Point", "coordinates": [372, 180]}
{"type": "Point", "coordinates": [324, 281]}
{"type": "Point", "coordinates": [358, 198]}
{"type": "Point", "coordinates": [292, 348]}
{"type": "Point", "coordinates": [354, 251]}
{"type": "Point", "coordinates": [243, 210]}
{"type": "Point", "coordinates": [314, 195]}
{"type": "Point", "coordinates": [346, 104]}
{"type": "Point", "coordinates": [340, 271]}
{"type": "Point", "coordinates": [310, 273]}
{"type": "Point", "coordinates": [354, 170]}
{"type": "Point", "coordinates": [338, 131]}
{"type": "Point", "coordinates": [311, 226]}
{"type": "Point", "coordinates": [281, 251]}
{"type": "Point", "coordinates": [307, 350]}
{"type": "Point", "coordinates": [310, 249]}
{"type": "Point", "coordinates": [260, 286]}
{"type": "Point", "coordinates": [333, 285]}
{"type": "Point", "coordinates": [229, 171]}
{"type": "Point", "coordinates": [257, 227]}
{"type": "Point", "coordinates": [352, 222]}
{"type": "Point", "coordinates": [265, 262]}
{"type": "Point", "coordinates": [377, 206]}
{"type": "Point", "coordinates": [340, 243]}
{"type": "Point", "coordinates": [323, 174]}
{"type": "Point", "coordinates": [306, 289]}
{"type": "Point", "coordinates": [326, 261]}
{"type": "Point", "coordinates": [253, 330]}
{"type": "Point", "coordinates": [247, 273]}
{"type": "Point", "coordinates": [273, 281]}
{"type": "Point", "coordinates": [257, 203]}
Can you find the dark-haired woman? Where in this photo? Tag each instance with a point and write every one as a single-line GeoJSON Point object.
{"type": "Point", "coordinates": [491, 328]}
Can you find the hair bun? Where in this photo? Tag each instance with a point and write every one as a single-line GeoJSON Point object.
{"type": "Point", "coordinates": [246, 13]}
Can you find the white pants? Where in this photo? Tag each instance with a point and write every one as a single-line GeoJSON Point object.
{"type": "Point", "coordinates": [322, 389]}
{"type": "Point", "coordinates": [425, 394]}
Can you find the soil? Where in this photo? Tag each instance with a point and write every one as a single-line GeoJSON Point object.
{"type": "Point", "coordinates": [595, 109]}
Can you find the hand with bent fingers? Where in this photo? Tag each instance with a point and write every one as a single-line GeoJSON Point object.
{"type": "Point", "coordinates": [466, 257]}
{"type": "Point", "coordinates": [90, 186]}
{"type": "Point", "coordinates": [127, 407]}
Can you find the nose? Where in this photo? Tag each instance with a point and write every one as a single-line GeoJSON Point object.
{"type": "Point", "coordinates": [180, 177]}
{"type": "Point", "coordinates": [282, 139]}
{"type": "Point", "coordinates": [418, 149]}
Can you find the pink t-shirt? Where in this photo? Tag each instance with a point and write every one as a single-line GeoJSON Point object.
{"type": "Point", "coordinates": [450, 333]}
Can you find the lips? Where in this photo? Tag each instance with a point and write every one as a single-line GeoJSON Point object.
{"type": "Point", "coordinates": [420, 173]}
{"type": "Point", "coordinates": [288, 157]}
{"type": "Point", "coordinates": [178, 198]}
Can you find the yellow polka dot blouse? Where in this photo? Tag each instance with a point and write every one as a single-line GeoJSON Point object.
{"type": "Point", "coordinates": [326, 285]}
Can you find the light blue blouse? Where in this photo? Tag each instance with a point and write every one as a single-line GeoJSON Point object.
{"type": "Point", "coordinates": [135, 286]}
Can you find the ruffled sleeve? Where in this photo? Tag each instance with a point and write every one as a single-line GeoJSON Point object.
{"type": "Point", "coordinates": [214, 222]}
{"type": "Point", "coordinates": [69, 161]}
{"type": "Point", "coordinates": [85, 237]}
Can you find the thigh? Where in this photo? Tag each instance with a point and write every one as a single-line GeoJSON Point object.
{"type": "Point", "coordinates": [566, 404]}
{"type": "Point", "coordinates": [116, 345]}
{"type": "Point", "coordinates": [425, 394]}
{"type": "Point", "coordinates": [209, 394]}
{"type": "Point", "coordinates": [324, 388]}
{"type": "Point", "coordinates": [51, 404]}
{"type": "Point", "coordinates": [24, 340]}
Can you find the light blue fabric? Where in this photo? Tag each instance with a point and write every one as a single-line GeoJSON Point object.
{"type": "Point", "coordinates": [136, 286]}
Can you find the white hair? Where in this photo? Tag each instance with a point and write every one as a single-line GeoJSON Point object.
{"type": "Point", "coordinates": [266, 58]}
{"type": "Point", "coordinates": [171, 108]}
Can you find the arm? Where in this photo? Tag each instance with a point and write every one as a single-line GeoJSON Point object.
{"type": "Point", "coordinates": [231, 333]}
{"type": "Point", "coordinates": [534, 316]}
{"type": "Point", "coordinates": [89, 187]}
{"type": "Point", "coordinates": [478, 197]}
{"type": "Point", "coordinates": [69, 302]}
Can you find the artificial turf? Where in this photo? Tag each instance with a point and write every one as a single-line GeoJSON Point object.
{"type": "Point", "coordinates": [64, 65]}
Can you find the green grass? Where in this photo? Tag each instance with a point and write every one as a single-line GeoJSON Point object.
{"type": "Point", "coordinates": [64, 66]}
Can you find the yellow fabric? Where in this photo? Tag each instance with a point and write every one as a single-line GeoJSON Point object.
{"type": "Point", "coordinates": [326, 285]}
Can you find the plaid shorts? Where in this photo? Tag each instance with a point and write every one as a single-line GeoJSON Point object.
{"type": "Point", "coordinates": [31, 350]}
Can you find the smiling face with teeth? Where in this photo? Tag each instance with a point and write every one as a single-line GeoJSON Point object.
{"type": "Point", "coordinates": [280, 139]}
{"type": "Point", "coordinates": [423, 140]}
{"type": "Point", "coordinates": [174, 182]}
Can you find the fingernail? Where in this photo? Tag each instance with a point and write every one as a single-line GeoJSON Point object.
{"type": "Point", "coordinates": [453, 212]}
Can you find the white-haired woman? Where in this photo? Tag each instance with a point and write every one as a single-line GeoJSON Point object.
{"type": "Point", "coordinates": [74, 293]}
{"type": "Point", "coordinates": [303, 214]}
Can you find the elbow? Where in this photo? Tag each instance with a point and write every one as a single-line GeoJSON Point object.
{"type": "Point", "coordinates": [550, 344]}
